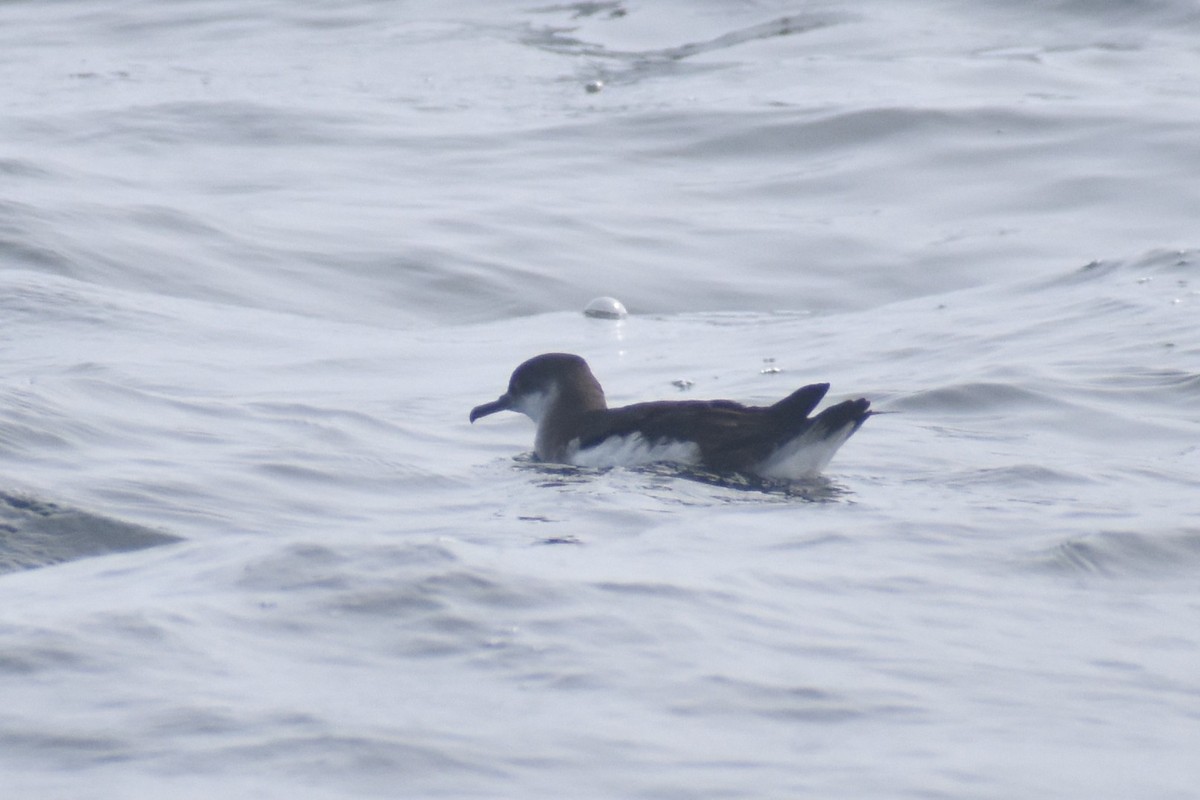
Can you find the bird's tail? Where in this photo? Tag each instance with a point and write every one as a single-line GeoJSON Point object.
{"type": "Point", "coordinates": [813, 446]}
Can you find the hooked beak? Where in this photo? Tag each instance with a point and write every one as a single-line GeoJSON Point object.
{"type": "Point", "coordinates": [501, 403]}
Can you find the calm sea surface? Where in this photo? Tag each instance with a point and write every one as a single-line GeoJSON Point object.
{"type": "Point", "coordinates": [259, 259]}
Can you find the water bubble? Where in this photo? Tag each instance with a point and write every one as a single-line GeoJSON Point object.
{"type": "Point", "coordinates": [605, 308]}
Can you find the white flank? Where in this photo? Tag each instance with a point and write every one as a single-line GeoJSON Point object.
{"type": "Point", "coordinates": [806, 455]}
{"type": "Point", "coordinates": [631, 451]}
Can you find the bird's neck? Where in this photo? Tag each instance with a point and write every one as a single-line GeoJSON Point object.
{"type": "Point", "coordinates": [566, 408]}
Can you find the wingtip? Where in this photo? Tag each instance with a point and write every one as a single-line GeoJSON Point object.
{"type": "Point", "coordinates": [800, 403]}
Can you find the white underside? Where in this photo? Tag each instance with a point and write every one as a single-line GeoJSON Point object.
{"type": "Point", "coordinates": [631, 451]}
{"type": "Point", "coordinates": [806, 455]}
{"type": "Point", "coordinates": [802, 457]}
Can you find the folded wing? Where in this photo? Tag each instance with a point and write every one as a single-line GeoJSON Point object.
{"type": "Point", "coordinates": [731, 436]}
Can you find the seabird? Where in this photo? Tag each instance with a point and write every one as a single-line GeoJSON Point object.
{"type": "Point", "coordinates": [576, 426]}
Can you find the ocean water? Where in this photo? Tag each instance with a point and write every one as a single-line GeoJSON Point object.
{"type": "Point", "coordinates": [259, 260]}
